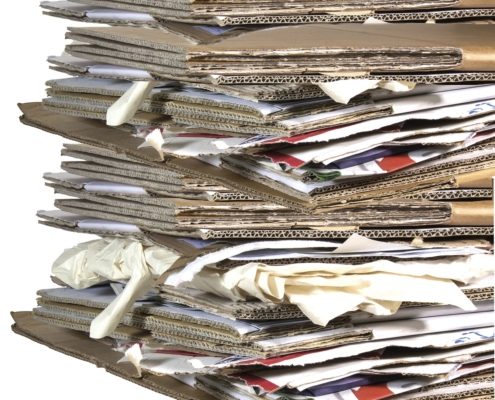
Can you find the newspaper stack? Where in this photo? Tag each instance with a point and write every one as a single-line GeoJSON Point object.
{"type": "Point", "coordinates": [288, 208]}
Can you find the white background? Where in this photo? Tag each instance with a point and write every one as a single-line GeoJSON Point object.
{"type": "Point", "coordinates": [31, 370]}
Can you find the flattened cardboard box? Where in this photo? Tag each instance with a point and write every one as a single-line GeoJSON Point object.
{"type": "Point", "coordinates": [93, 111]}
{"type": "Point", "coordinates": [462, 48]}
{"type": "Point", "coordinates": [76, 129]}
{"type": "Point", "coordinates": [205, 336]}
{"type": "Point", "coordinates": [81, 68]}
{"type": "Point", "coordinates": [84, 13]}
{"type": "Point", "coordinates": [234, 21]}
{"type": "Point", "coordinates": [203, 216]}
{"type": "Point", "coordinates": [221, 115]}
{"type": "Point", "coordinates": [176, 205]}
{"type": "Point", "coordinates": [170, 319]}
{"type": "Point", "coordinates": [79, 345]}
{"type": "Point", "coordinates": [240, 24]}
{"type": "Point", "coordinates": [69, 221]}
{"type": "Point", "coordinates": [196, 10]}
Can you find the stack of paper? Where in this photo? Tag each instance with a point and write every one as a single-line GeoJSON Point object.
{"type": "Point", "coordinates": [287, 208]}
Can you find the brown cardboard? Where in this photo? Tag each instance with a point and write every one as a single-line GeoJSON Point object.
{"type": "Point", "coordinates": [165, 321]}
{"type": "Point", "coordinates": [170, 205]}
{"type": "Point", "coordinates": [149, 105]}
{"type": "Point", "coordinates": [185, 105]}
{"type": "Point", "coordinates": [266, 234]}
{"type": "Point", "coordinates": [472, 213]}
{"type": "Point", "coordinates": [342, 17]}
{"type": "Point", "coordinates": [266, 92]}
{"type": "Point", "coordinates": [80, 67]}
{"type": "Point", "coordinates": [254, 310]}
{"type": "Point", "coordinates": [202, 12]}
{"type": "Point", "coordinates": [476, 168]}
{"type": "Point", "coordinates": [93, 111]}
{"type": "Point", "coordinates": [79, 345]}
{"type": "Point", "coordinates": [76, 129]}
{"type": "Point", "coordinates": [454, 194]}
{"type": "Point", "coordinates": [468, 47]}
{"type": "Point", "coordinates": [91, 132]}
{"type": "Point", "coordinates": [255, 350]}
{"type": "Point", "coordinates": [83, 325]}
{"type": "Point", "coordinates": [308, 79]}
{"type": "Point", "coordinates": [191, 215]}
{"type": "Point", "coordinates": [244, 24]}
{"type": "Point", "coordinates": [119, 161]}
{"type": "Point", "coordinates": [205, 118]}
{"type": "Point", "coordinates": [79, 13]}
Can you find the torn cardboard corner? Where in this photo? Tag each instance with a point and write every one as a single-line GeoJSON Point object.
{"type": "Point", "coordinates": [79, 345]}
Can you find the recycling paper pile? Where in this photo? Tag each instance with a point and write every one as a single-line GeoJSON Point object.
{"type": "Point", "coordinates": [294, 199]}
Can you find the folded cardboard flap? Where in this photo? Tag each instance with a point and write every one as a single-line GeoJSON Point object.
{"type": "Point", "coordinates": [79, 345]}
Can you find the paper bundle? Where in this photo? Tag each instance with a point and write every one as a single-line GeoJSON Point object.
{"type": "Point", "coordinates": [287, 208]}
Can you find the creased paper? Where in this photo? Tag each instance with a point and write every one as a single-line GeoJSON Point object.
{"type": "Point", "coordinates": [113, 259]}
{"type": "Point", "coordinates": [344, 90]}
{"type": "Point", "coordinates": [124, 108]}
{"type": "Point", "coordinates": [378, 287]}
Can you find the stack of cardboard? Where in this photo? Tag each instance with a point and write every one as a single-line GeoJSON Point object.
{"type": "Point", "coordinates": [288, 208]}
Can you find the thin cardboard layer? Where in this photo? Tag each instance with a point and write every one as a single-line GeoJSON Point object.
{"type": "Point", "coordinates": [342, 17]}
{"type": "Point", "coordinates": [200, 11]}
{"type": "Point", "coordinates": [266, 234]}
{"type": "Point", "coordinates": [436, 78]}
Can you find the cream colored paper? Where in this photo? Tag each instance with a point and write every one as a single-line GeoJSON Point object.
{"type": "Point", "coordinates": [155, 139]}
{"type": "Point", "coordinates": [134, 355]}
{"type": "Point", "coordinates": [113, 259]}
{"type": "Point", "coordinates": [325, 291]}
{"type": "Point", "coordinates": [124, 108]}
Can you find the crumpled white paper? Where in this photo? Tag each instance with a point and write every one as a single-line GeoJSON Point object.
{"type": "Point", "coordinates": [113, 259]}
{"type": "Point", "coordinates": [155, 139]}
{"type": "Point", "coordinates": [344, 90]}
{"type": "Point", "coordinates": [135, 356]}
{"type": "Point", "coordinates": [325, 291]}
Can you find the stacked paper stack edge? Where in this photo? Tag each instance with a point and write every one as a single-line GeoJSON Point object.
{"type": "Point", "coordinates": [288, 204]}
